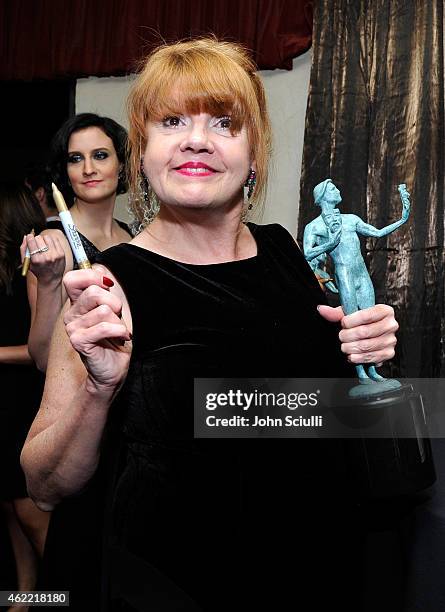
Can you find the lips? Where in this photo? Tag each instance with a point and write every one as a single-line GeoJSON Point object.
{"type": "Point", "coordinates": [92, 183]}
{"type": "Point", "coordinates": [195, 169]}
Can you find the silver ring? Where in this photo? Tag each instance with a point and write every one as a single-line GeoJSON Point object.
{"type": "Point", "coordinates": [41, 250]}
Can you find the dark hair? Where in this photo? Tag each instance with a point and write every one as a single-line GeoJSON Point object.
{"type": "Point", "coordinates": [37, 175]}
{"type": "Point", "coordinates": [20, 212]}
{"type": "Point", "coordinates": [59, 150]}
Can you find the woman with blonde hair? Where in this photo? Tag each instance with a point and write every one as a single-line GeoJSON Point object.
{"type": "Point", "coordinates": [195, 524]}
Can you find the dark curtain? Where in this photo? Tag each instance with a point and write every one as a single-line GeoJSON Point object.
{"type": "Point", "coordinates": [375, 119]}
{"type": "Point", "coordinates": [48, 39]}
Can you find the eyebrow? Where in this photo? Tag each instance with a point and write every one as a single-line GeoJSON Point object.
{"type": "Point", "coordinates": [92, 150]}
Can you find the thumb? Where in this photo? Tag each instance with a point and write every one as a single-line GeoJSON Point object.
{"type": "Point", "coordinates": [23, 248]}
{"type": "Point", "coordinates": [334, 315]}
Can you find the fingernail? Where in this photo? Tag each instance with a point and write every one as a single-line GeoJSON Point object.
{"type": "Point", "coordinates": [107, 281]}
{"type": "Point", "coordinates": [318, 308]}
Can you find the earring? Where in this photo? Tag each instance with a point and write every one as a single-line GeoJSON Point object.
{"type": "Point", "coordinates": [150, 202]}
{"type": "Point", "coordinates": [250, 184]}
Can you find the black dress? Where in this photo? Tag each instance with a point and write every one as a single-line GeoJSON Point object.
{"type": "Point", "coordinates": [73, 545]}
{"type": "Point", "coordinates": [21, 386]}
{"type": "Point", "coordinates": [188, 525]}
{"type": "Point", "coordinates": [223, 524]}
{"type": "Point", "coordinates": [91, 250]}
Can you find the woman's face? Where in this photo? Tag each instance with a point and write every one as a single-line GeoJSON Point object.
{"type": "Point", "coordinates": [93, 165]}
{"type": "Point", "coordinates": [194, 161]}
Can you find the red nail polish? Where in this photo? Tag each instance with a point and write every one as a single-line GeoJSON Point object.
{"type": "Point", "coordinates": [107, 281]}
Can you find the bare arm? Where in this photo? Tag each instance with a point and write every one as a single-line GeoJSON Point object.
{"type": "Point", "coordinates": [16, 355]}
{"type": "Point", "coordinates": [46, 293]}
{"type": "Point", "coordinates": [62, 450]}
{"type": "Point", "coordinates": [369, 230]}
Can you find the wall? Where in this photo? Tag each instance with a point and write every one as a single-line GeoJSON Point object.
{"type": "Point", "coordinates": [287, 96]}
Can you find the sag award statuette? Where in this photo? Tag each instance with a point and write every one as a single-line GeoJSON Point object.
{"type": "Point", "coordinates": [400, 460]}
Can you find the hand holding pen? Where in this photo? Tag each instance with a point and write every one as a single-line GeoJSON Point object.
{"type": "Point", "coordinates": [70, 230]}
{"type": "Point", "coordinates": [46, 252]}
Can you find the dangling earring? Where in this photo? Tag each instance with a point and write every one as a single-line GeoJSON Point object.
{"type": "Point", "coordinates": [250, 184]}
{"type": "Point", "coordinates": [150, 200]}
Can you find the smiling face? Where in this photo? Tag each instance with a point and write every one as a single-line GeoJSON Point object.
{"type": "Point", "coordinates": [93, 166]}
{"type": "Point", "coordinates": [194, 160]}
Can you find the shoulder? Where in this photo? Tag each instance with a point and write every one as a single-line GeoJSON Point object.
{"type": "Point", "coordinates": [351, 218]}
{"type": "Point", "coordinates": [274, 236]}
{"type": "Point", "coordinates": [122, 259]}
{"type": "Point", "coordinates": [316, 222]}
{"type": "Point", "coordinates": [270, 230]}
{"type": "Point", "coordinates": [316, 226]}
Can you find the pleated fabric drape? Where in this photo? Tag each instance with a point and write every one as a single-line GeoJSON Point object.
{"type": "Point", "coordinates": [375, 118]}
{"type": "Point", "coordinates": [49, 39]}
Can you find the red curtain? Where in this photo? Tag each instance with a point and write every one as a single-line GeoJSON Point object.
{"type": "Point", "coordinates": [49, 39]}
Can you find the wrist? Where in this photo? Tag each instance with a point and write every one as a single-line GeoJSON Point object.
{"type": "Point", "coordinates": [49, 284]}
{"type": "Point", "coordinates": [97, 390]}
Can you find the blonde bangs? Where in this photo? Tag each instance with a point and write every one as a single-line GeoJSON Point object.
{"type": "Point", "coordinates": [195, 76]}
{"type": "Point", "coordinates": [196, 85]}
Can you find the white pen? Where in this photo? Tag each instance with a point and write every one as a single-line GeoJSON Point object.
{"type": "Point", "coordinates": [70, 230]}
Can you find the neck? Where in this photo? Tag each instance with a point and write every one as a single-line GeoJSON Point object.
{"type": "Point", "coordinates": [327, 207]}
{"type": "Point", "coordinates": [198, 236]}
{"type": "Point", "coordinates": [91, 217]}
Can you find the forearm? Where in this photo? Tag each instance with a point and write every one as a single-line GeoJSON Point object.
{"type": "Point", "coordinates": [48, 306]}
{"type": "Point", "coordinates": [15, 355]}
{"type": "Point", "coordinates": [60, 460]}
{"type": "Point", "coordinates": [313, 252]}
{"type": "Point", "coordinates": [373, 232]}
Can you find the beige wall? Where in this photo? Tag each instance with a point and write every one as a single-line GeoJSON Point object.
{"type": "Point", "coordinates": [287, 96]}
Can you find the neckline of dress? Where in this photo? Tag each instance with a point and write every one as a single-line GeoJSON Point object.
{"type": "Point", "coordinates": [193, 265]}
{"type": "Point", "coordinates": [252, 259]}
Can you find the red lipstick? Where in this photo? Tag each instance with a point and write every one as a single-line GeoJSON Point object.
{"type": "Point", "coordinates": [197, 169]}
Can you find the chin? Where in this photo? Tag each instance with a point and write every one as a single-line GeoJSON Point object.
{"type": "Point", "coordinates": [192, 204]}
{"type": "Point", "coordinates": [96, 197]}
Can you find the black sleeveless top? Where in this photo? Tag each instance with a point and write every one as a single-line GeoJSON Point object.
{"type": "Point", "coordinates": [193, 524]}
{"type": "Point", "coordinates": [91, 250]}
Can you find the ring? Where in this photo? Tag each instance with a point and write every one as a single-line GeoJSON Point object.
{"type": "Point", "coordinates": [41, 250]}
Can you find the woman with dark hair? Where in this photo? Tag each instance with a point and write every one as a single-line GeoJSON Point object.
{"type": "Point", "coordinates": [20, 380]}
{"type": "Point", "coordinates": [87, 163]}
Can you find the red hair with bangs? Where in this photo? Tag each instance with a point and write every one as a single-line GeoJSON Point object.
{"type": "Point", "coordinates": [194, 76]}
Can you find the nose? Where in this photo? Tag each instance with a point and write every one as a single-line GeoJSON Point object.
{"type": "Point", "coordinates": [197, 139]}
{"type": "Point", "coordinates": [88, 166]}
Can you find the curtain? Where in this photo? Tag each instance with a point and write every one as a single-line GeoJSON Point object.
{"type": "Point", "coordinates": [375, 118]}
{"type": "Point", "coordinates": [49, 39]}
